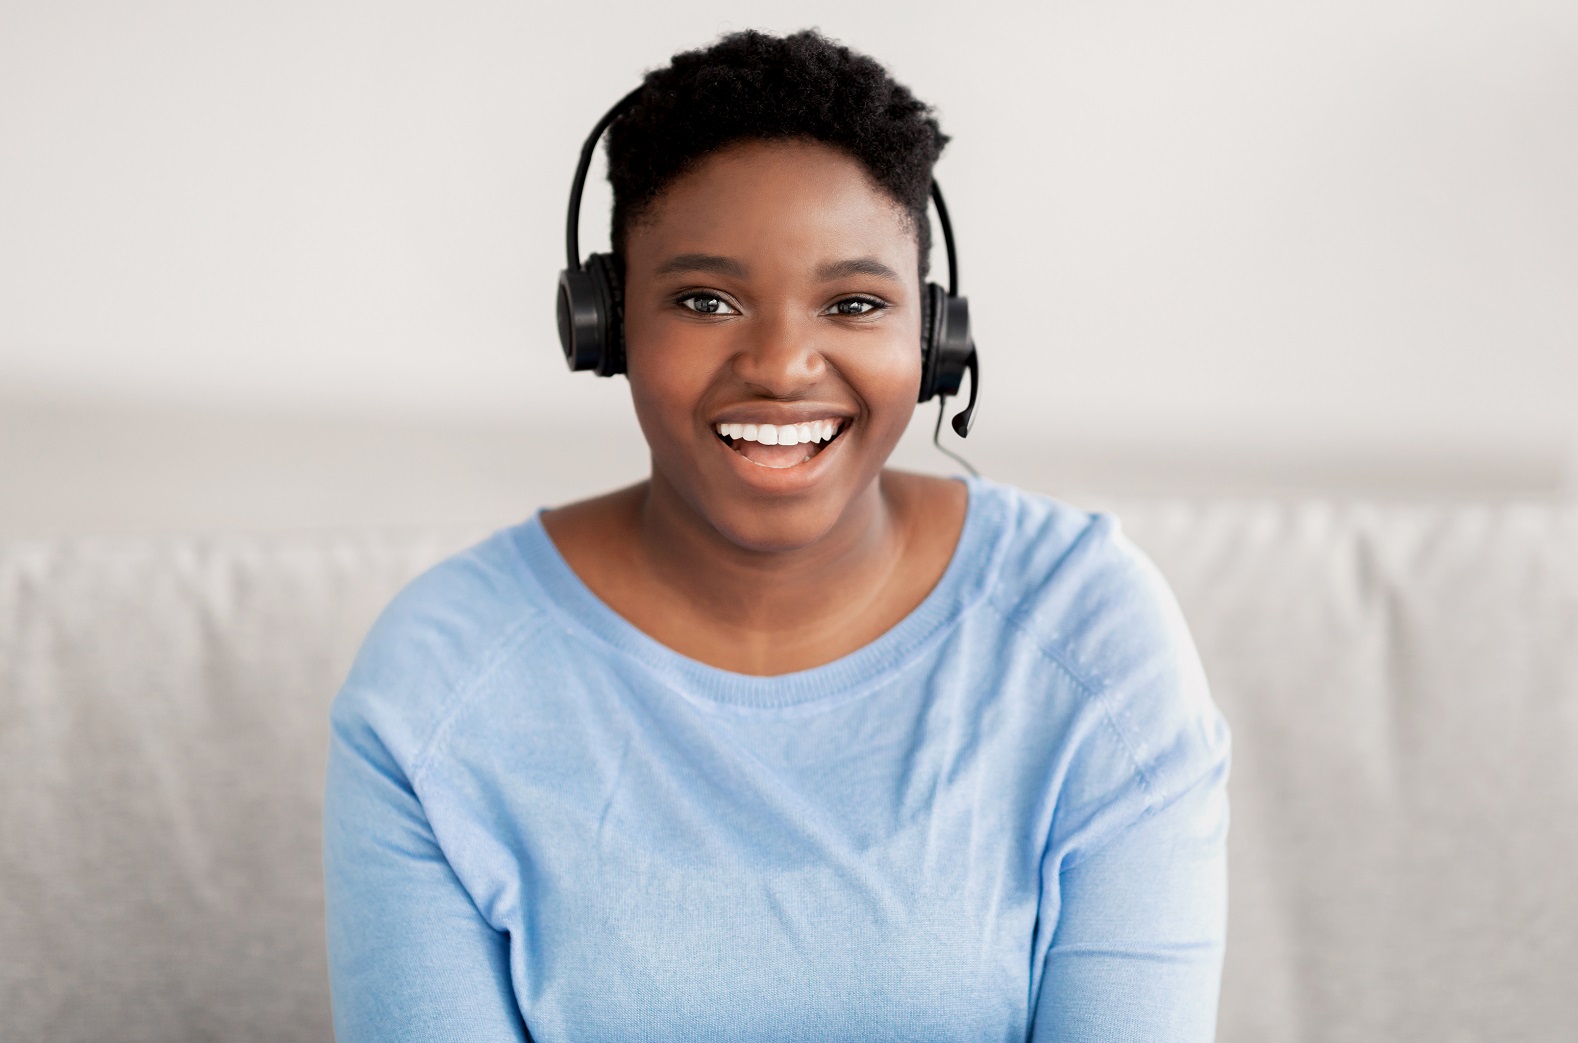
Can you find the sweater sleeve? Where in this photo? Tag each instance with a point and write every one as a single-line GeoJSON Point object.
{"type": "Point", "coordinates": [410, 955]}
{"type": "Point", "coordinates": [1137, 950]}
{"type": "Point", "coordinates": [1133, 881]}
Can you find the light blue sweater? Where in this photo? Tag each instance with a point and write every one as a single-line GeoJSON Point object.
{"type": "Point", "coordinates": [1004, 819]}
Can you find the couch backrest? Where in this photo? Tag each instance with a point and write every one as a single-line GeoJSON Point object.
{"type": "Point", "coordinates": [1402, 686]}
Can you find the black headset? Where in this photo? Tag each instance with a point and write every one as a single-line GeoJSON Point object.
{"type": "Point", "coordinates": [592, 302]}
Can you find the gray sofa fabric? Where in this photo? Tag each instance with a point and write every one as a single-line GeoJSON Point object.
{"type": "Point", "coordinates": [1402, 685]}
{"type": "Point", "coordinates": [1403, 690]}
{"type": "Point", "coordinates": [163, 729]}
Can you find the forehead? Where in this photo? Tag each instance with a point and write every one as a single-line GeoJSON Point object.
{"type": "Point", "coordinates": [780, 196]}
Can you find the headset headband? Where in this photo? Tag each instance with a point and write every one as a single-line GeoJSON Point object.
{"type": "Point", "coordinates": [572, 229]}
{"type": "Point", "coordinates": [572, 226]}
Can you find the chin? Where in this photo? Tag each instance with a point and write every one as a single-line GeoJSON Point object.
{"type": "Point", "coordinates": [770, 520]}
{"type": "Point", "coordinates": [775, 528]}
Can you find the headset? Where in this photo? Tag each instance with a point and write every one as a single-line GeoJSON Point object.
{"type": "Point", "coordinates": [591, 303]}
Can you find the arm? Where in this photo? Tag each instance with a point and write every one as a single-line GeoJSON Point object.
{"type": "Point", "coordinates": [1136, 952]}
{"type": "Point", "coordinates": [410, 956]}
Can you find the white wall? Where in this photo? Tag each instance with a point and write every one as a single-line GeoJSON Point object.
{"type": "Point", "coordinates": [1270, 239]}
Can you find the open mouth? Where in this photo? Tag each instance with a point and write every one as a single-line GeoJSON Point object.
{"type": "Point", "coordinates": [780, 445]}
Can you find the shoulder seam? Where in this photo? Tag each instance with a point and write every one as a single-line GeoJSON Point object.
{"type": "Point", "coordinates": [1096, 690]}
{"type": "Point", "coordinates": [1099, 693]}
{"type": "Point", "coordinates": [1151, 808]}
{"type": "Point", "coordinates": [517, 634]}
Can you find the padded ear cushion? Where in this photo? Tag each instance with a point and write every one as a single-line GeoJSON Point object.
{"type": "Point", "coordinates": [608, 281]}
{"type": "Point", "coordinates": [933, 310]}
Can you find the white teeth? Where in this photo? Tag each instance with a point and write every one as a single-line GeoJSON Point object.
{"type": "Point", "coordinates": [781, 434]}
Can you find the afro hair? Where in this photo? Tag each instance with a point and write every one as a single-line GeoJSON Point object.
{"type": "Point", "coordinates": [751, 86]}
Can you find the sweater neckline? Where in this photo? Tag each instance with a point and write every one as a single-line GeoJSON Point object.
{"type": "Point", "coordinates": [966, 577]}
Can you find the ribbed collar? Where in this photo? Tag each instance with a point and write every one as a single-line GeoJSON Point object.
{"type": "Point", "coordinates": [968, 576]}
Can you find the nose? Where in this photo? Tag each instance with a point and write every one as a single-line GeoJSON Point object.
{"type": "Point", "coordinates": [779, 356]}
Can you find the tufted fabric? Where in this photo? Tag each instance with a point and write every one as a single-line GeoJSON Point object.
{"type": "Point", "coordinates": [1402, 685]}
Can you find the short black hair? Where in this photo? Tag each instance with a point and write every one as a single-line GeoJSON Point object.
{"type": "Point", "coordinates": [752, 86]}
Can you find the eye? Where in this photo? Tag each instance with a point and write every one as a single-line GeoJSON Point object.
{"type": "Point", "coordinates": [856, 306]}
{"type": "Point", "coordinates": [706, 304]}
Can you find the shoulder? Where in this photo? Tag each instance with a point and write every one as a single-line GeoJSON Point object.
{"type": "Point", "coordinates": [1072, 583]}
{"type": "Point", "coordinates": [438, 640]}
{"type": "Point", "coordinates": [1076, 582]}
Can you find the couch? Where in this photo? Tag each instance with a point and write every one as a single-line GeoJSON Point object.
{"type": "Point", "coordinates": [1402, 683]}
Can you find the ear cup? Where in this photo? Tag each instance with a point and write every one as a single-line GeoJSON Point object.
{"type": "Point", "coordinates": [592, 316]}
{"type": "Point", "coordinates": [580, 325]}
{"type": "Point", "coordinates": [946, 346]}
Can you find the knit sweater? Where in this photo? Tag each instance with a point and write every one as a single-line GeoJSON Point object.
{"type": "Point", "coordinates": [1004, 819]}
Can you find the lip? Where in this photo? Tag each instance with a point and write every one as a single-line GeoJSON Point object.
{"type": "Point", "coordinates": [782, 480]}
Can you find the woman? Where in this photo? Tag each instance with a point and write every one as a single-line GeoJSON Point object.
{"type": "Point", "coordinates": [778, 744]}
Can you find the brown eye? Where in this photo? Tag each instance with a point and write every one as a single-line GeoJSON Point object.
{"type": "Point", "coordinates": [706, 304]}
{"type": "Point", "coordinates": [856, 306]}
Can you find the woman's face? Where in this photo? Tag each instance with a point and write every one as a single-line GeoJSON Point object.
{"type": "Point", "coordinates": [772, 296]}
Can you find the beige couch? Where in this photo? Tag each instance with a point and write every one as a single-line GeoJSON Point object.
{"type": "Point", "coordinates": [1402, 685]}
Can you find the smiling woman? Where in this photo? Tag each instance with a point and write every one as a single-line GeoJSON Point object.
{"type": "Point", "coordinates": [779, 744]}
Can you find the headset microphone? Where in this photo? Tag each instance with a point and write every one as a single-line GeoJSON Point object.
{"type": "Point", "coordinates": [591, 303]}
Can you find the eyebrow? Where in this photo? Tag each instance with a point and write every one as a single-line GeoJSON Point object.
{"type": "Point", "coordinates": [717, 264]}
{"type": "Point", "coordinates": [712, 263]}
{"type": "Point", "coordinates": [856, 266]}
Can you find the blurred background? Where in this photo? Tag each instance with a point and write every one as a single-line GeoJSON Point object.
{"type": "Point", "coordinates": [290, 265]}
{"type": "Point", "coordinates": [1293, 285]}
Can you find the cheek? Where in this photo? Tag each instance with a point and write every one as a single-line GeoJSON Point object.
{"type": "Point", "coordinates": [888, 378]}
{"type": "Point", "coordinates": [669, 374]}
